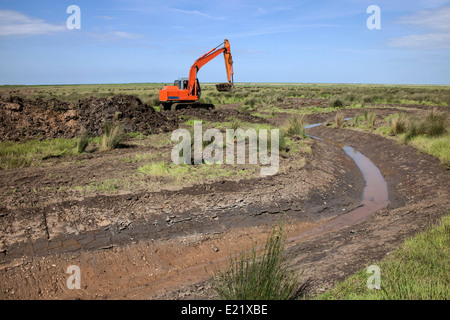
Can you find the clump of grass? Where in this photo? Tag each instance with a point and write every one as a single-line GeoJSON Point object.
{"type": "Point", "coordinates": [106, 186]}
{"type": "Point", "coordinates": [32, 152]}
{"type": "Point", "coordinates": [413, 130]}
{"type": "Point", "coordinates": [155, 101]}
{"type": "Point", "coordinates": [250, 101]}
{"type": "Point", "coordinates": [339, 120]}
{"type": "Point", "coordinates": [259, 276]}
{"type": "Point", "coordinates": [398, 124]}
{"type": "Point", "coordinates": [155, 169]}
{"type": "Point", "coordinates": [433, 125]}
{"type": "Point", "coordinates": [236, 124]}
{"type": "Point", "coordinates": [244, 109]}
{"type": "Point", "coordinates": [82, 142]}
{"type": "Point", "coordinates": [356, 121]}
{"type": "Point", "coordinates": [371, 118]}
{"type": "Point", "coordinates": [336, 102]}
{"type": "Point", "coordinates": [296, 126]}
{"type": "Point", "coordinates": [282, 140]}
{"type": "Point", "coordinates": [113, 136]}
{"type": "Point", "coordinates": [438, 147]}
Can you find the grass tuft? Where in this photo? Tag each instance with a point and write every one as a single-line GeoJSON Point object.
{"type": "Point", "coordinates": [260, 276]}
{"type": "Point", "coordinates": [339, 120]}
{"type": "Point", "coordinates": [113, 136]}
{"type": "Point", "coordinates": [398, 124]}
{"type": "Point", "coordinates": [82, 142]}
{"type": "Point", "coordinates": [296, 126]}
{"type": "Point", "coordinates": [336, 102]}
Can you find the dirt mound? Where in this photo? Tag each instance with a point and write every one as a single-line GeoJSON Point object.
{"type": "Point", "coordinates": [22, 119]}
{"type": "Point", "coordinates": [128, 110]}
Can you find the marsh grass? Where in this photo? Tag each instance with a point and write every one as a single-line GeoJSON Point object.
{"type": "Point", "coordinates": [371, 118]}
{"type": "Point", "coordinates": [296, 126]}
{"type": "Point", "coordinates": [260, 275]}
{"type": "Point", "coordinates": [113, 136]}
{"type": "Point", "coordinates": [339, 120]}
{"type": "Point", "coordinates": [336, 102]}
{"type": "Point", "coordinates": [398, 124]}
{"type": "Point", "coordinates": [82, 142]}
{"type": "Point", "coordinates": [433, 125]}
{"type": "Point", "coordinates": [418, 270]}
{"type": "Point", "coordinates": [32, 152]}
{"type": "Point", "coordinates": [106, 186]}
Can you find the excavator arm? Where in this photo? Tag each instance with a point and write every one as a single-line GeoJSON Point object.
{"type": "Point", "coordinates": [207, 57]}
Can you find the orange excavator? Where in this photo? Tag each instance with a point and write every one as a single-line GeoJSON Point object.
{"type": "Point", "coordinates": [186, 92]}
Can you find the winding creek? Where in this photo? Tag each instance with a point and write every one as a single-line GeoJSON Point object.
{"type": "Point", "coordinates": [375, 194]}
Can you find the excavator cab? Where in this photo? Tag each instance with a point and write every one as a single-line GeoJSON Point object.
{"type": "Point", "coordinates": [181, 83]}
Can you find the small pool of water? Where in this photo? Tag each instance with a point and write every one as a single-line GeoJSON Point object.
{"type": "Point", "coordinates": [375, 194]}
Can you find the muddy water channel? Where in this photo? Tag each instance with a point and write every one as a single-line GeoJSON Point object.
{"type": "Point", "coordinates": [375, 194]}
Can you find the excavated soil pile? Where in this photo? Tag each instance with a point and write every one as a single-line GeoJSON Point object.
{"type": "Point", "coordinates": [22, 119]}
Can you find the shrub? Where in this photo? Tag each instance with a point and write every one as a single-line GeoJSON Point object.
{"type": "Point", "coordinates": [82, 142]}
{"type": "Point", "coordinates": [413, 129]}
{"type": "Point", "coordinates": [282, 143]}
{"type": "Point", "coordinates": [398, 124]}
{"type": "Point", "coordinates": [434, 123]}
{"type": "Point", "coordinates": [296, 126]}
{"type": "Point", "coordinates": [339, 120]}
{"type": "Point", "coordinates": [250, 101]}
{"type": "Point", "coordinates": [155, 101]}
{"type": "Point", "coordinates": [336, 102]}
{"type": "Point", "coordinates": [113, 136]}
{"type": "Point", "coordinates": [367, 99]}
{"type": "Point", "coordinates": [356, 121]}
{"type": "Point", "coordinates": [236, 124]}
{"type": "Point", "coordinates": [371, 118]}
{"type": "Point", "coordinates": [244, 109]}
{"type": "Point", "coordinates": [260, 276]}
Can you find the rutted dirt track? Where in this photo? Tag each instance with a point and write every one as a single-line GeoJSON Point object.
{"type": "Point", "coordinates": [158, 244]}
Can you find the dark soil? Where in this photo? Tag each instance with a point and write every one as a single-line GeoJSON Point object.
{"type": "Point", "coordinates": [22, 119]}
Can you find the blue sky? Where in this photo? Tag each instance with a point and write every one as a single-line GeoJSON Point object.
{"type": "Point", "coordinates": [271, 41]}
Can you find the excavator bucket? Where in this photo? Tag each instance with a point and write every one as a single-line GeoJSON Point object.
{"type": "Point", "coordinates": [224, 87]}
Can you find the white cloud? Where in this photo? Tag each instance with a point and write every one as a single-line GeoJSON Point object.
{"type": "Point", "coordinates": [435, 25]}
{"type": "Point", "coordinates": [105, 17]}
{"type": "Point", "coordinates": [422, 41]}
{"type": "Point", "coordinates": [438, 19]}
{"type": "Point", "coordinates": [125, 35]}
{"type": "Point", "coordinates": [114, 36]}
{"type": "Point", "coordinates": [197, 13]}
{"type": "Point", "coordinates": [16, 23]}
